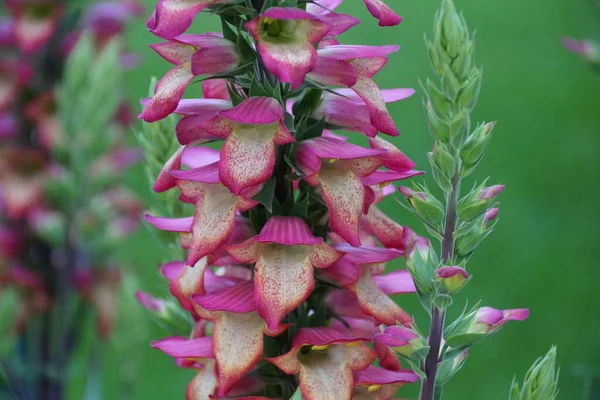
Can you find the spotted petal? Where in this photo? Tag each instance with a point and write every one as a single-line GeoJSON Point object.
{"type": "Point", "coordinates": [383, 13]}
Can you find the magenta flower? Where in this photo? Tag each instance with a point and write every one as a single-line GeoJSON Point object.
{"type": "Point", "coordinates": [325, 360]}
{"type": "Point", "coordinates": [196, 354]}
{"type": "Point", "coordinates": [366, 62]}
{"type": "Point", "coordinates": [401, 339]}
{"type": "Point", "coordinates": [251, 131]}
{"type": "Point", "coordinates": [363, 266]}
{"type": "Point", "coordinates": [488, 320]}
{"type": "Point", "coordinates": [35, 22]}
{"type": "Point", "coordinates": [192, 55]}
{"type": "Point", "coordinates": [285, 253]}
{"type": "Point", "coordinates": [285, 38]}
{"type": "Point", "coordinates": [383, 13]}
{"type": "Point", "coordinates": [337, 168]}
{"type": "Point", "coordinates": [237, 332]}
{"type": "Point", "coordinates": [348, 110]}
{"type": "Point", "coordinates": [172, 17]}
{"type": "Point", "coordinates": [376, 383]}
{"type": "Point", "coordinates": [453, 278]}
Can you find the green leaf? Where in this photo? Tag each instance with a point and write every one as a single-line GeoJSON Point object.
{"type": "Point", "coordinates": [315, 129]}
{"type": "Point", "coordinates": [267, 195]}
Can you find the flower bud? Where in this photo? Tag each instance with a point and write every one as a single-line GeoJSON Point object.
{"type": "Point", "coordinates": [403, 341]}
{"type": "Point", "coordinates": [439, 129]}
{"type": "Point", "coordinates": [166, 313]}
{"type": "Point", "coordinates": [443, 166]}
{"type": "Point", "coordinates": [470, 92]}
{"type": "Point", "coordinates": [440, 102]}
{"type": "Point", "coordinates": [477, 202]}
{"type": "Point", "coordinates": [468, 241]}
{"type": "Point", "coordinates": [541, 381]}
{"type": "Point", "coordinates": [421, 260]}
{"type": "Point", "coordinates": [476, 145]}
{"type": "Point", "coordinates": [424, 205]}
{"type": "Point", "coordinates": [480, 324]}
{"type": "Point", "coordinates": [450, 366]}
{"type": "Point", "coordinates": [452, 278]}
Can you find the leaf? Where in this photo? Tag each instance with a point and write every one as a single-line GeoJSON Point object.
{"type": "Point", "coordinates": [267, 195]}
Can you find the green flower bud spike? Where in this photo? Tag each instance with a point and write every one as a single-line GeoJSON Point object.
{"type": "Point", "coordinates": [541, 381]}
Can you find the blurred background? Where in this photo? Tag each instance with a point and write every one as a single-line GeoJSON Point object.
{"type": "Point", "coordinates": [546, 150]}
{"type": "Point", "coordinates": [545, 251]}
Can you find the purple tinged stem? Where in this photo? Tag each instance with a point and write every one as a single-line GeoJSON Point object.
{"type": "Point", "coordinates": [438, 317]}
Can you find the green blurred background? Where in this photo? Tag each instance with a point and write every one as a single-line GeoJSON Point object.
{"type": "Point", "coordinates": [546, 151]}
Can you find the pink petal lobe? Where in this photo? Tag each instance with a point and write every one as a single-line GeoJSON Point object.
{"type": "Point", "coordinates": [172, 17]}
{"type": "Point", "coordinates": [169, 91]}
{"type": "Point", "coordinates": [397, 282]}
{"type": "Point", "coordinates": [235, 299]}
{"type": "Point", "coordinates": [289, 231]}
{"type": "Point", "coordinates": [165, 180]}
{"type": "Point", "coordinates": [170, 224]}
{"type": "Point", "coordinates": [383, 13]}
{"type": "Point", "coordinates": [255, 111]}
{"type": "Point", "coordinates": [179, 347]}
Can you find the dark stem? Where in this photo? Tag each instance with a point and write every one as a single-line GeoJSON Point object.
{"type": "Point", "coordinates": [438, 317]}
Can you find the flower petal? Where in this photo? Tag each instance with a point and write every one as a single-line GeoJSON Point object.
{"type": "Point", "coordinates": [283, 279]}
{"type": "Point", "coordinates": [384, 228]}
{"type": "Point", "coordinates": [170, 224]}
{"type": "Point", "coordinates": [214, 221]}
{"type": "Point", "coordinates": [329, 71]}
{"type": "Point", "coordinates": [179, 347]}
{"type": "Point", "coordinates": [376, 303]}
{"type": "Point", "coordinates": [383, 13]}
{"type": "Point", "coordinates": [247, 156]}
{"type": "Point", "coordinates": [172, 17]}
{"type": "Point", "coordinates": [238, 346]}
{"type": "Point", "coordinates": [289, 231]}
{"type": "Point", "coordinates": [396, 282]}
{"type": "Point", "coordinates": [255, 111]}
{"type": "Point", "coordinates": [344, 194]}
{"type": "Point", "coordinates": [195, 157]}
{"type": "Point", "coordinates": [167, 94]}
{"type": "Point", "coordinates": [235, 299]}
{"type": "Point", "coordinates": [371, 95]}
{"type": "Point", "coordinates": [204, 383]}
{"type": "Point", "coordinates": [326, 379]}
{"type": "Point", "coordinates": [165, 180]}
{"type": "Point", "coordinates": [188, 282]}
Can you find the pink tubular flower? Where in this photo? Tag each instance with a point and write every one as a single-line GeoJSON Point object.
{"type": "Point", "coordinates": [400, 339]}
{"type": "Point", "coordinates": [7, 31]}
{"type": "Point", "coordinates": [453, 278]}
{"type": "Point", "coordinates": [172, 17]}
{"type": "Point", "coordinates": [367, 264]}
{"type": "Point", "coordinates": [383, 13]}
{"type": "Point", "coordinates": [214, 220]}
{"type": "Point", "coordinates": [107, 19]}
{"type": "Point", "coordinates": [285, 39]}
{"type": "Point", "coordinates": [237, 333]}
{"type": "Point", "coordinates": [381, 384]}
{"type": "Point", "coordinates": [348, 110]}
{"type": "Point", "coordinates": [366, 62]}
{"type": "Point", "coordinates": [196, 354]}
{"type": "Point", "coordinates": [251, 131]}
{"type": "Point", "coordinates": [337, 168]}
{"type": "Point", "coordinates": [488, 319]}
{"type": "Point", "coordinates": [192, 55]}
{"type": "Point", "coordinates": [325, 360]}
{"type": "Point", "coordinates": [35, 22]}
{"type": "Point", "coordinates": [285, 253]}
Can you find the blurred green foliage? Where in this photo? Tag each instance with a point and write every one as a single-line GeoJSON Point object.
{"type": "Point", "coordinates": [546, 146]}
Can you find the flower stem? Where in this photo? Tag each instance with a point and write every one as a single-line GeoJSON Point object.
{"type": "Point", "coordinates": [438, 316]}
